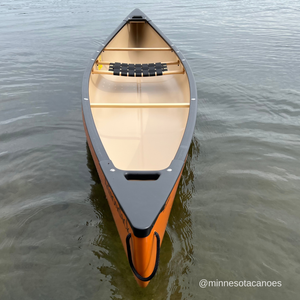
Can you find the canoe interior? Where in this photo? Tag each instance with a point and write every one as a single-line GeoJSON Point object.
{"type": "Point", "coordinates": [140, 138]}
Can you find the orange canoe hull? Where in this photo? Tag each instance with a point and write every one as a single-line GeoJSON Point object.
{"type": "Point", "coordinates": [139, 148]}
{"type": "Point", "coordinates": [143, 249]}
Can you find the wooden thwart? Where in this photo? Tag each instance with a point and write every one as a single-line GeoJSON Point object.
{"type": "Point", "coordinates": [138, 49]}
{"type": "Point", "coordinates": [163, 63]}
{"type": "Point", "coordinates": [139, 105]}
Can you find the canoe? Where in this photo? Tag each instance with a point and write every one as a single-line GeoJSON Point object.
{"type": "Point", "coordinates": [139, 106]}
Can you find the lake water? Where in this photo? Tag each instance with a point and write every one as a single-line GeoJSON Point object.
{"type": "Point", "coordinates": [236, 212]}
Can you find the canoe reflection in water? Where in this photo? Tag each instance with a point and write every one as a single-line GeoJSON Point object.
{"type": "Point", "coordinates": [111, 253]}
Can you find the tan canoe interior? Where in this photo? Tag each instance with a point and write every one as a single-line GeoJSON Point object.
{"type": "Point", "coordinates": [140, 120]}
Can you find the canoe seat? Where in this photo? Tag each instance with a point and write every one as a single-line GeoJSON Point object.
{"type": "Point", "coordinates": [137, 70]}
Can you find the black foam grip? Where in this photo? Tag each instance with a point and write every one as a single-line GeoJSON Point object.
{"type": "Point", "coordinates": [116, 71]}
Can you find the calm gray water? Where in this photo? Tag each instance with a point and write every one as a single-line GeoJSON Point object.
{"type": "Point", "coordinates": [236, 213]}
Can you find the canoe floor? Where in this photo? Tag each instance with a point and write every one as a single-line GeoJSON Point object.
{"type": "Point", "coordinates": [140, 138]}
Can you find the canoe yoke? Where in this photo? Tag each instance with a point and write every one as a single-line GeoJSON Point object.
{"type": "Point", "coordinates": [137, 70]}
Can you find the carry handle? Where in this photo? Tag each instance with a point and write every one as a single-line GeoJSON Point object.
{"type": "Point", "coordinates": [131, 263]}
